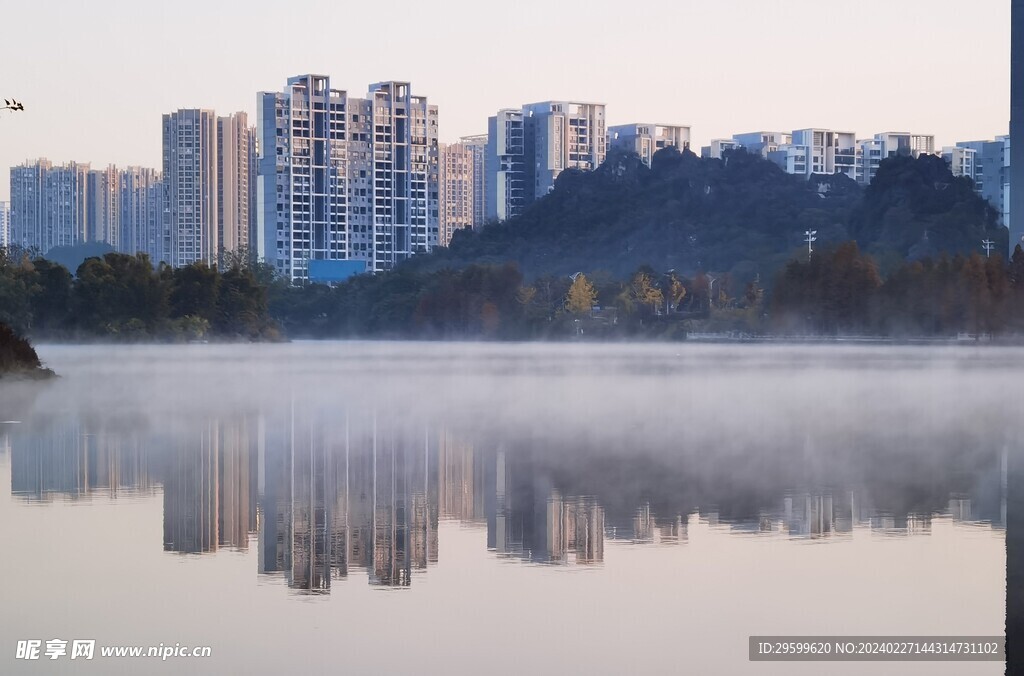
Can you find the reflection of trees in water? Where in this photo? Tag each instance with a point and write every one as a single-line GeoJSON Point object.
{"type": "Point", "coordinates": [918, 478]}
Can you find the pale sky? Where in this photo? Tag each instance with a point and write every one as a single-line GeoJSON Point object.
{"type": "Point", "coordinates": [95, 76]}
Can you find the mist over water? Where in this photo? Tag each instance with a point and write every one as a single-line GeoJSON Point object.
{"type": "Point", "coordinates": [601, 508]}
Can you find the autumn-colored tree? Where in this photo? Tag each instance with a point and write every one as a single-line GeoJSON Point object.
{"type": "Point", "coordinates": [643, 291]}
{"type": "Point", "coordinates": [674, 290]}
{"type": "Point", "coordinates": [831, 293]}
{"type": "Point", "coordinates": [581, 297]}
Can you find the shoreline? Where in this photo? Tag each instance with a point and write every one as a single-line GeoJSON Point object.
{"type": "Point", "coordinates": [695, 338]}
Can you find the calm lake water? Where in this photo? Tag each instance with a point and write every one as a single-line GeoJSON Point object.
{"type": "Point", "coordinates": [426, 508]}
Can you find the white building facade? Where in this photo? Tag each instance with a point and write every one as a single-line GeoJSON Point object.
{"type": "Point", "coordinates": [718, 147]}
{"type": "Point", "coordinates": [505, 166]}
{"type": "Point", "coordinates": [829, 151]}
{"type": "Point", "coordinates": [961, 161]}
{"type": "Point", "coordinates": [992, 173]}
{"type": "Point", "coordinates": [561, 135]}
{"type": "Point", "coordinates": [763, 142]}
{"type": "Point", "coordinates": [891, 144]}
{"type": "Point", "coordinates": [645, 139]}
{"type": "Point", "coordinates": [344, 178]}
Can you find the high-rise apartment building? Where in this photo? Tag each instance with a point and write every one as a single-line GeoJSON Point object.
{"type": "Point", "coordinates": [141, 209]}
{"type": "Point", "coordinates": [191, 190]}
{"type": "Point", "coordinates": [5, 224]}
{"type": "Point", "coordinates": [49, 204]}
{"type": "Point", "coordinates": [71, 204]}
{"type": "Point", "coordinates": [103, 220]}
{"type": "Point", "coordinates": [407, 204]}
{"type": "Point", "coordinates": [527, 149]}
{"type": "Point", "coordinates": [303, 180]}
{"type": "Point", "coordinates": [505, 180]}
{"type": "Point", "coordinates": [645, 139]}
{"type": "Point", "coordinates": [236, 148]}
{"type": "Point", "coordinates": [478, 144]}
{"type": "Point", "coordinates": [992, 173]}
{"type": "Point", "coordinates": [344, 178]}
{"type": "Point", "coordinates": [461, 179]}
{"type": "Point", "coordinates": [561, 135]}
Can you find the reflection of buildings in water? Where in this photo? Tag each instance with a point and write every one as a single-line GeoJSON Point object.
{"type": "Point", "coordinates": [673, 530]}
{"type": "Point", "coordinates": [332, 501]}
{"type": "Point", "coordinates": [312, 488]}
{"type": "Point", "coordinates": [808, 515]}
{"type": "Point", "coordinates": [460, 480]}
{"type": "Point", "coordinates": [901, 524]}
{"type": "Point", "coordinates": [404, 526]}
{"type": "Point", "coordinates": [69, 459]}
{"type": "Point", "coordinates": [822, 515]}
{"type": "Point", "coordinates": [296, 479]}
{"type": "Point", "coordinates": [643, 524]}
{"type": "Point", "coordinates": [191, 495]}
{"type": "Point", "coordinates": [530, 519]}
{"type": "Point", "coordinates": [574, 530]}
{"type": "Point", "coordinates": [236, 517]}
{"type": "Point", "coordinates": [960, 509]}
{"type": "Point", "coordinates": [208, 488]}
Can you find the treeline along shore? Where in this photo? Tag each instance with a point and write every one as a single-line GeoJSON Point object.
{"type": "Point", "coordinates": [625, 251]}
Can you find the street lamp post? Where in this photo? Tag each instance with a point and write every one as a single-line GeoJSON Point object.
{"type": "Point", "coordinates": [988, 245]}
{"type": "Point", "coordinates": [810, 236]}
{"type": "Point", "coordinates": [711, 291]}
{"type": "Point", "coordinates": [669, 274]}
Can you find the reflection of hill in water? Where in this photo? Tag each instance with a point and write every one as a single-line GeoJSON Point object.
{"type": "Point", "coordinates": [325, 494]}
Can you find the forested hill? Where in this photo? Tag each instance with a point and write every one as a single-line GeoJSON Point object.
{"type": "Point", "coordinates": [741, 215]}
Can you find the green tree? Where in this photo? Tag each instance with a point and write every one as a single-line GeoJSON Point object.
{"type": "Point", "coordinates": [16, 283]}
{"type": "Point", "coordinates": [241, 305]}
{"type": "Point", "coordinates": [51, 297]}
{"type": "Point", "coordinates": [194, 291]}
{"type": "Point", "coordinates": [119, 293]}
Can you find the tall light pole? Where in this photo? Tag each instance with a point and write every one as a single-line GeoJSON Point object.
{"type": "Point", "coordinates": [988, 245]}
{"type": "Point", "coordinates": [670, 275]}
{"type": "Point", "coordinates": [810, 236]}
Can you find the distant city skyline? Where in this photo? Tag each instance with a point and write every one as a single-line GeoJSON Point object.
{"type": "Point", "coordinates": [100, 77]}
